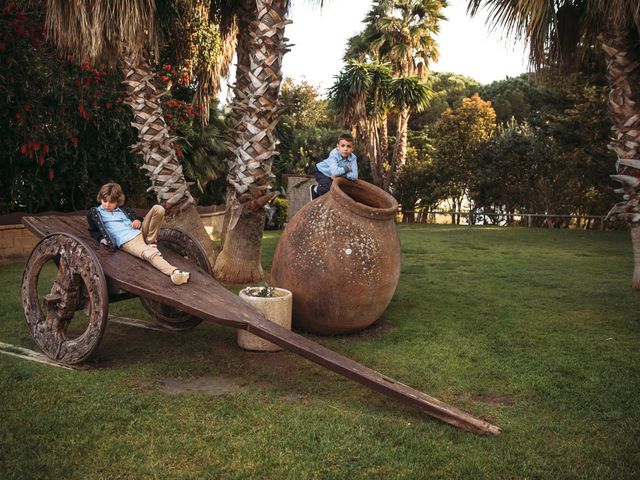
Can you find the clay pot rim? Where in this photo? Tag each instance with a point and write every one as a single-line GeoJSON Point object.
{"type": "Point", "coordinates": [361, 209]}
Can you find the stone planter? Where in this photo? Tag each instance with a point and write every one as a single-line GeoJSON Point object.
{"type": "Point", "coordinates": [277, 308]}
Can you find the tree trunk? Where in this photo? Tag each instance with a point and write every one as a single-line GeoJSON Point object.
{"type": "Point", "coordinates": [240, 257]}
{"type": "Point", "coordinates": [400, 149]}
{"type": "Point", "coordinates": [623, 69]}
{"type": "Point", "coordinates": [384, 151]}
{"type": "Point", "coordinates": [157, 148]}
{"type": "Point", "coordinates": [261, 46]}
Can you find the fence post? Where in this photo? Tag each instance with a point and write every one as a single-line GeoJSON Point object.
{"type": "Point", "coordinates": [529, 220]}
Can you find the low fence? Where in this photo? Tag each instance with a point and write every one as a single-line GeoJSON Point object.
{"type": "Point", "coordinates": [547, 220]}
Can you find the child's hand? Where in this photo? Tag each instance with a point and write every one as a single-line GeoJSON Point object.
{"type": "Point", "coordinates": [136, 224]}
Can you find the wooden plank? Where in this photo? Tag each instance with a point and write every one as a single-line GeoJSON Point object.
{"type": "Point", "coordinates": [205, 298]}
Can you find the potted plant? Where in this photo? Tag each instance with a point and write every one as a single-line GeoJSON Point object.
{"type": "Point", "coordinates": [275, 303]}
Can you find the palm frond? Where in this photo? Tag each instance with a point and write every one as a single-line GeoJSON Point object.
{"type": "Point", "coordinates": [411, 93]}
{"type": "Point", "coordinates": [97, 30]}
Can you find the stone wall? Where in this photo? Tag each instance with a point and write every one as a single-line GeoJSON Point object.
{"type": "Point", "coordinates": [16, 242]}
{"type": "Point", "coordinates": [297, 192]}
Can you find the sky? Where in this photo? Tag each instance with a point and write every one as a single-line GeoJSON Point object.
{"type": "Point", "coordinates": [466, 46]}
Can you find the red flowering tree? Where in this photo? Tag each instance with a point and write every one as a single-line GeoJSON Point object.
{"type": "Point", "coordinates": [63, 125]}
{"type": "Point", "coordinates": [65, 130]}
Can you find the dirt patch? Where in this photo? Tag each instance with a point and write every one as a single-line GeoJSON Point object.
{"type": "Point", "coordinates": [218, 385]}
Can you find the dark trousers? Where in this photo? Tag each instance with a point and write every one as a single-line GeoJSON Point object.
{"type": "Point", "coordinates": [324, 182]}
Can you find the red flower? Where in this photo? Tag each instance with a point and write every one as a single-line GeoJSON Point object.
{"type": "Point", "coordinates": [74, 141]}
{"type": "Point", "coordinates": [45, 148]}
{"type": "Point", "coordinates": [179, 152]}
{"type": "Point", "coordinates": [23, 149]}
{"type": "Point", "coordinates": [167, 67]}
{"type": "Point", "coordinates": [51, 174]}
{"type": "Point", "coordinates": [36, 146]}
{"type": "Point", "coordinates": [41, 160]}
{"type": "Point", "coordinates": [26, 107]}
{"type": "Point", "coordinates": [19, 117]}
{"type": "Point", "coordinates": [164, 79]}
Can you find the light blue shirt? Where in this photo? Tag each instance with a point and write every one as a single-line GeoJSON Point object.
{"type": "Point", "coordinates": [118, 225]}
{"type": "Point", "coordinates": [335, 166]}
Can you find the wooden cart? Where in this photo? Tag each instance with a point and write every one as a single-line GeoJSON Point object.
{"type": "Point", "coordinates": [90, 276]}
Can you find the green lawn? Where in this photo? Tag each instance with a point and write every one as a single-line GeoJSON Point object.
{"type": "Point", "coordinates": [537, 331]}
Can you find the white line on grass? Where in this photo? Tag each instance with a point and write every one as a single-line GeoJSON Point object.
{"type": "Point", "coordinates": [135, 322]}
{"type": "Point", "coordinates": [34, 356]}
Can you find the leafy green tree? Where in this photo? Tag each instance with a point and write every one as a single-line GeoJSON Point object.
{"type": "Point", "coordinates": [418, 186]}
{"type": "Point", "coordinates": [512, 172]}
{"type": "Point", "coordinates": [586, 147]}
{"type": "Point", "coordinates": [564, 33]}
{"type": "Point", "coordinates": [524, 99]}
{"type": "Point", "coordinates": [304, 130]}
{"type": "Point", "coordinates": [458, 135]}
{"type": "Point", "coordinates": [302, 105]}
{"type": "Point", "coordinates": [447, 91]}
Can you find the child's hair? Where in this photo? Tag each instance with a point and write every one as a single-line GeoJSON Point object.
{"type": "Point", "coordinates": [346, 136]}
{"type": "Point", "coordinates": [111, 192]}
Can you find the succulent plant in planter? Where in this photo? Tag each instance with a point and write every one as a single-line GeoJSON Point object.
{"type": "Point", "coordinates": [276, 304]}
{"type": "Point", "coordinates": [265, 290]}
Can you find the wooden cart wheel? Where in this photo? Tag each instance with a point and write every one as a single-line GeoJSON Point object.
{"type": "Point", "coordinates": [188, 247]}
{"type": "Point", "coordinates": [79, 284]}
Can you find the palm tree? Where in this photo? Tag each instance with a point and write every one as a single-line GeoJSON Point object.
{"type": "Point", "coordinates": [361, 94]}
{"type": "Point", "coordinates": [408, 94]}
{"type": "Point", "coordinates": [260, 48]}
{"type": "Point", "coordinates": [560, 34]}
{"type": "Point", "coordinates": [124, 33]}
{"type": "Point", "coordinates": [401, 33]}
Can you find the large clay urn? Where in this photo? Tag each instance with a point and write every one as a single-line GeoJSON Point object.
{"type": "Point", "coordinates": [340, 257]}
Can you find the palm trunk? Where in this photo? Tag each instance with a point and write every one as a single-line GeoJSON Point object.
{"type": "Point", "coordinates": [623, 69]}
{"type": "Point", "coordinates": [261, 47]}
{"type": "Point", "coordinates": [157, 148]}
{"type": "Point", "coordinates": [384, 151]}
{"type": "Point", "coordinates": [242, 250]}
{"type": "Point", "coordinates": [400, 149]}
